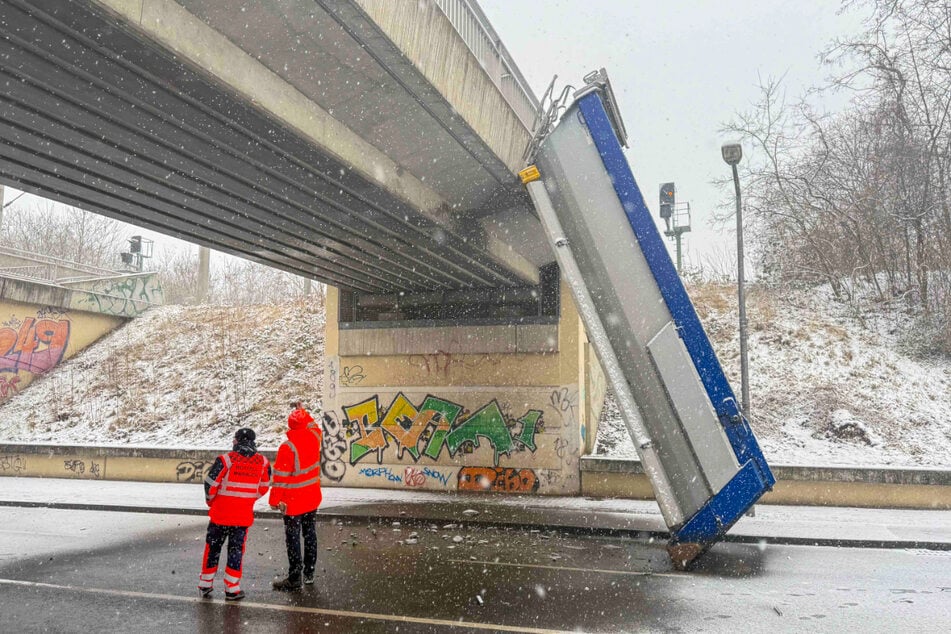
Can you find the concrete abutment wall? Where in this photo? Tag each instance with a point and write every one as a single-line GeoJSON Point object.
{"type": "Point", "coordinates": [501, 408]}
{"type": "Point", "coordinates": [34, 339]}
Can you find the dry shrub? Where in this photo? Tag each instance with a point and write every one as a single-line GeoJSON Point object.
{"type": "Point", "coordinates": [761, 304]}
{"type": "Point", "coordinates": [711, 298]}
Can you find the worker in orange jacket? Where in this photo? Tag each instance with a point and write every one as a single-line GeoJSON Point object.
{"type": "Point", "coordinates": [296, 492]}
{"type": "Point", "coordinates": [235, 481]}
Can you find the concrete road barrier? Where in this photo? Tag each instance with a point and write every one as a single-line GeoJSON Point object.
{"type": "Point", "coordinates": [870, 487]}
{"type": "Point", "coordinates": [142, 464]}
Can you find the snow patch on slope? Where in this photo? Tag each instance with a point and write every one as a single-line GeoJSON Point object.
{"type": "Point", "coordinates": [179, 376]}
{"type": "Point", "coordinates": [829, 383]}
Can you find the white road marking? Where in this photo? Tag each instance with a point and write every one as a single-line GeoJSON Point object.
{"type": "Point", "coordinates": [495, 627]}
{"type": "Point", "coordinates": [603, 571]}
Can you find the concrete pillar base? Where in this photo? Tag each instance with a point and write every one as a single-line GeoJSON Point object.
{"type": "Point", "coordinates": [493, 408]}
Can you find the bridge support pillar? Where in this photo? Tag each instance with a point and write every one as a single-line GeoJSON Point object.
{"type": "Point", "coordinates": [472, 407]}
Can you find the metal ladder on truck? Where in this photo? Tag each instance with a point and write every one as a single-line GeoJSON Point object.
{"type": "Point", "coordinates": [695, 445]}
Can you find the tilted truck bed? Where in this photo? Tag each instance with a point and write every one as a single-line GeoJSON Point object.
{"type": "Point", "coordinates": [698, 450]}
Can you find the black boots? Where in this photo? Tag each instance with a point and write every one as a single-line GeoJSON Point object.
{"type": "Point", "coordinates": [286, 585]}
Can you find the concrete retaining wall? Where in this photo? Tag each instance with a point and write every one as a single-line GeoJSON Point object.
{"type": "Point", "coordinates": [494, 408]}
{"type": "Point", "coordinates": [35, 338]}
{"type": "Point", "coordinates": [871, 487]}
{"type": "Point", "coordinates": [911, 488]}
{"type": "Point", "coordinates": [141, 464]}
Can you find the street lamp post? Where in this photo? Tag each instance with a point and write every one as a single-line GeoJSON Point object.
{"type": "Point", "coordinates": [732, 153]}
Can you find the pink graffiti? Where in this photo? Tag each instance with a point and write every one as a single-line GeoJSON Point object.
{"type": "Point", "coordinates": [36, 347]}
{"type": "Point", "coordinates": [8, 387]}
{"type": "Point", "coordinates": [413, 477]}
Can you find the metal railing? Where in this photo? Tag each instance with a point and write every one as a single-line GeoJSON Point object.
{"type": "Point", "coordinates": [43, 272]}
{"type": "Point", "coordinates": [473, 26]}
{"type": "Point", "coordinates": [51, 261]}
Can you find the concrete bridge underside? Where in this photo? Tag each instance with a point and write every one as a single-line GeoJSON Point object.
{"type": "Point", "coordinates": [358, 142]}
{"type": "Point", "coordinates": [293, 133]}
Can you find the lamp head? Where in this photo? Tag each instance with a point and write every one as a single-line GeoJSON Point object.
{"type": "Point", "coordinates": [732, 153]}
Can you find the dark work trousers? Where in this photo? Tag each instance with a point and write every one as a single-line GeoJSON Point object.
{"type": "Point", "coordinates": [214, 540]}
{"type": "Point", "coordinates": [294, 525]}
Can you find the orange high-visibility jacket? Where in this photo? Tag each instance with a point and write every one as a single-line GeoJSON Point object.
{"type": "Point", "coordinates": [297, 468]}
{"type": "Point", "coordinates": [233, 485]}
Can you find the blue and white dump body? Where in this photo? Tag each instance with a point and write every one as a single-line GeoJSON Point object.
{"type": "Point", "coordinates": [703, 461]}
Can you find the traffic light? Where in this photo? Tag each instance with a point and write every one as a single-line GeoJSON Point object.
{"type": "Point", "coordinates": [667, 194]}
{"type": "Point", "coordinates": [135, 244]}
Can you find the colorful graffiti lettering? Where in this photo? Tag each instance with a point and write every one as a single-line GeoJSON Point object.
{"type": "Point", "coordinates": [332, 448]}
{"type": "Point", "coordinates": [16, 464]}
{"type": "Point", "coordinates": [381, 472]}
{"type": "Point", "coordinates": [35, 347]}
{"type": "Point", "coordinates": [436, 422]}
{"type": "Point", "coordinates": [499, 479]}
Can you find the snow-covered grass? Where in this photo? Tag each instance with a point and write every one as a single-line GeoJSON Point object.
{"type": "Point", "coordinates": [179, 376]}
{"type": "Point", "coordinates": [828, 385]}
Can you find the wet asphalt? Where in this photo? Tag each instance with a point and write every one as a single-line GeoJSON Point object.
{"type": "Point", "coordinates": [88, 571]}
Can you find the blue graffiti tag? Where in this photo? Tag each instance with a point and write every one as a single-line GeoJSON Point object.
{"type": "Point", "coordinates": [432, 473]}
{"type": "Point", "coordinates": [381, 472]}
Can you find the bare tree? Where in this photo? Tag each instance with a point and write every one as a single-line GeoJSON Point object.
{"type": "Point", "coordinates": [69, 233]}
{"type": "Point", "coordinates": [861, 197]}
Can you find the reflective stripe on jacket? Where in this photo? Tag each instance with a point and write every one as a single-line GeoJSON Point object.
{"type": "Point", "coordinates": [297, 468]}
{"type": "Point", "coordinates": [233, 485]}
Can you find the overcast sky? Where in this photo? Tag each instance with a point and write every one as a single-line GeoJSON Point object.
{"type": "Point", "coordinates": [679, 70]}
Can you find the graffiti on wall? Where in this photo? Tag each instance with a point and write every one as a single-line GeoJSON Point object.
{"type": "Point", "coordinates": [79, 467]}
{"type": "Point", "coordinates": [31, 345]}
{"type": "Point", "coordinates": [125, 297]}
{"type": "Point", "coordinates": [412, 477]}
{"type": "Point", "coordinates": [12, 465]}
{"type": "Point", "coordinates": [443, 363]}
{"type": "Point", "coordinates": [434, 424]}
{"type": "Point", "coordinates": [352, 375]}
{"type": "Point", "coordinates": [9, 385]}
{"type": "Point", "coordinates": [192, 470]}
{"type": "Point", "coordinates": [498, 479]}
{"type": "Point", "coordinates": [333, 446]}
{"type": "Point", "coordinates": [565, 403]}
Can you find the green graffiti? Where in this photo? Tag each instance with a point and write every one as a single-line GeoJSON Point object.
{"type": "Point", "coordinates": [435, 424]}
{"type": "Point", "coordinates": [447, 414]}
{"type": "Point", "coordinates": [529, 423]}
{"type": "Point", "coordinates": [487, 423]}
{"type": "Point", "coordinates": [119, 296]}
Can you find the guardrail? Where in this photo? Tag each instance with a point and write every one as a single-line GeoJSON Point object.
{"type": "Point", "coordinates": [473, 26]}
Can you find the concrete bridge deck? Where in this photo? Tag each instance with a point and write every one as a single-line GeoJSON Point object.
{"type": "Point", "coordinates": [361, 143]}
